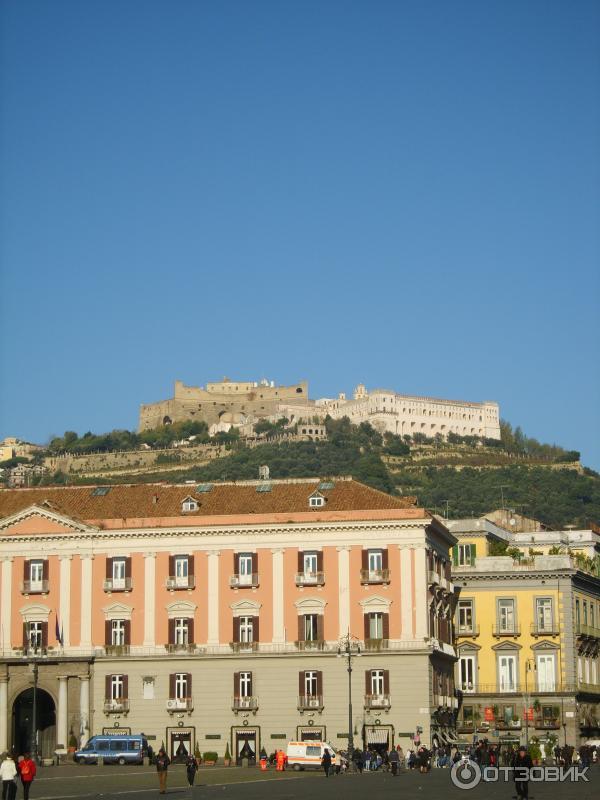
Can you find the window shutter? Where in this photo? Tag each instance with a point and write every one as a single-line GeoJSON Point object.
{"type": "Point", "coordinates": [386, 626]}
{"type": "Point", "coordinates": [384, 558]}
{"type": "Point", "coordinates": [320, 683]}
{"type": "Point", "coordinates": [109, 568]}
{"type": "Point", "coordinates": [236, 629]}
{"type": "Point", "coordinates": [191, 639]}
{"type": "Point", "coordinates": [386, 681]}
{"type": "Point", "coordinates": [300, 627]}
{"type": "Point", "coordinates": [171, 631]}
{"type": "Point", "coordinates": [320, 625]}
{"type": "Point", "coordinates": [301, 689]}
{"type": "Point", "coordinates": [125, 687]}
{"type": "Point", "coordinates": [236, 563]}
{"type": "Point", "coordinates": [365, 559]}
{"type": "Point", "coordinates": [172, 685]}
{"type": "Point", "coordinates": [455, 555]}
{"type": "Point", "coordinates": [107, 632]}
{"type": "Point", "coordinates": [236, 684]}
{"type": "Point", "coordinates": [45, 570]}
{"type": "Point", "coordinates": [127, 631]}
{"type": "Point", "coordinates": [25, 635]}
{"type": "Point", "coordinates": [189, 684]}
{"type": "Point", "coordinates": [319, 562]}
{"type": "Point", "coordinates": [44, 634]}
{"type": "Point", "coordinates": [107, 687]}
{"type": "Point", "coordinates": [255, 563]}
{"type": "Point", "coordinates": [171, 566]}
{"type": "Point", "coordinates": [367, 620]}
{"type": "Point", "coordinates": [368, 682]}
{"type": "Point", "coordinates": [255, 630]}
{"type": "Point", "coordinates": [472, 554]}
{"type": "Point", "coordinates": [128, 567]}
{"type": "Point", "coordinates": [27, 570]}
{"type": "Point", "coordinates": [191, 566]}
{"type": "Point", "coordinates": [300, 561]}
{"type": "Point", "coordinates": [251, 685]}
{"type": "Point", "coordinates": [448, 570]}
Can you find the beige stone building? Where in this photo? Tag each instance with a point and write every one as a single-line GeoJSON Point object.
{"type": "Point", "coordinates": [211, 615]}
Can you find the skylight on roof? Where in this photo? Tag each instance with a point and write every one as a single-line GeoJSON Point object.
{"type": "Point", "coordinates": [202, 488]}
{"type": "Point", "coordinates": [263, 487]}
{"type": "Point", "coordinates": [324, 485]}
{"type": "Point", "coordinates": [100, 491]}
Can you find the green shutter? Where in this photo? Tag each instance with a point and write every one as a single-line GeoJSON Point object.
{"type": "Point", "coordinates": [472, 554]}
{"type": "Point", "coordinates": [455, 555]}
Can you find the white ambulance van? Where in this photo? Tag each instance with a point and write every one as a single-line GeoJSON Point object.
{"type": "Point", "coordinates": [308, 755]}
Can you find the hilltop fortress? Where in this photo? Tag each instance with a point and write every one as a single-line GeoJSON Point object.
{"type": "Point", "coordinates": [238, 403]}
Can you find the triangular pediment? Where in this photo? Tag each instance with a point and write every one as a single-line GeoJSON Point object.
{"type": "Point", "coordinates": [41, 519]}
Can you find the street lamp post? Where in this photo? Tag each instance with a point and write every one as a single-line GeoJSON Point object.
{"type": "Point", "coordinates": [529, 667]}
{"type": "Point", "coordinates": [33, 655]}
{"type": "Point", "coordinates": [349, 648]}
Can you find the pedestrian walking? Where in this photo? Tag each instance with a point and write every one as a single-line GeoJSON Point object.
{"type": "Point", "coordinates": [8, 774]}
{"type": "Point", "coordinates": [162, 765]}
{"type": "Point", "coordinates": [326, 762]}
{"type": "Point", "coordinates": [394, 760]}
{"type": "Point", "coordinates": [280, 759]}
{"type": "Point", "coordinates": [191, 767]}
{"type": "Point", "coordinates": [27, 771]}
{"type": "Point", "coordinates": [522, 764]}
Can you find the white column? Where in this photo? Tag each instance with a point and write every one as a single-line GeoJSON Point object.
{"type": "Point", "coordinates": [65, 599]}
{"type": "Point", "coordinates": [278, 597]}
{"type": "Point", "coordinates": [84, 709]}
{"type": "Point", "coordinates": [86, 600]}
{"type": "Point", "coordinates": [62, 732]}
{"type": "Point", "coordinates": [421, 593]}
{"type": "Point", "coordinates": [5, 604]}
{"type": "Point", "coordinates": [406, 601]}
{"type": "Point", "coordinates": [213, 597]}
{"type": "Point", "coordinates": [344, 589]}
{"type": "Point", "coordinates": [149, 599]}
{"type": "Point", "coordinates": [3, 713]}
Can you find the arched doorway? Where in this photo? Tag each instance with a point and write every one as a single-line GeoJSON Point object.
{"type": "Point", "coordinates": [23, 721]}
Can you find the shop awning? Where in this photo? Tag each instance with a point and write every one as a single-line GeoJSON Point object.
{"type": "Point", "coordinates": [377, 735]}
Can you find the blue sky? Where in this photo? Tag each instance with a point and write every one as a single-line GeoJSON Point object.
{"type": "Point", "coordinates": [405, 194]}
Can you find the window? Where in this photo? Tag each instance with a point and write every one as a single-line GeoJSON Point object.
{"type": "Point", "coordinates": [36, 574]}
{"type": "Point", "coordinates": [310, 563]}
{"type": "Point", "coordinates": [35, 634]}
{"type": "Point", "coordinates": [377, 681]}
{"type": "Point", "coordinates": [375, 561]}
{"type": "Point", "coordinates": [189, 504]}
{"type": "Point", "coordinates": [245, 684]}
{"type": "Point", "coordinates": [591, 616]}
{"type": "Point", "coordinates": [376, 625]}
{"type": "Point", "coordinates": [311, 627]}
{"type": "Point", "coordinates": [507, 673]}
{"type": "Point", "coordinates": [577, 614]}
{"type": "Point", "coordinates": [543, 613]}
{"type": "Point", "coordinates": [117, 632]}
{"type": "Point", "coordinates": [181, 632]}
{"type": "Point", "coordinates": [245, 569]}
{"type": "Point", "coordinates": [117, 686]}
{"type": "Point", "coordinates": [181, 566]}
{"type": "Point", "coordinates": [181, 685]}
{"type": "Point", "coordinates": [585, 616]}
{"type": "Point", "coordinates": [316, 501]}
{"type": "Point", "coordinates": [506, 616]}
{"type": "Point", "coordinates": [246, 629]}
{"type": "Point", "coordinates": [465, 616]}
{"type": "Point", "coordinates": [466, 553]}
{"type": "Point", "coordinates": [310, 684]}
{"type": "Point", "coordinates": [546, 673]}
{"type": "Point", "coordinates": [118, 573]}
{"type": "Point", "coordinates": [467, 673]}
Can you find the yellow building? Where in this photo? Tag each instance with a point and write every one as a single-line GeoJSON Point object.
{"type": "Point", "coordinates": [528, 632]}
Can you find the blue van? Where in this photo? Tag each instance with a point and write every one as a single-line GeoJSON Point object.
{"type": "Point", "coordinates": [121, 749]}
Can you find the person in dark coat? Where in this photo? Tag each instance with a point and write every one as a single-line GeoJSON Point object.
{"type": "Point", "coordinates": [521, 765]}
{"type": "Point", "coordinates": [191, 767]}
{"type": "Point", "coordinates": [326, 762]}
{"type": "Point", "coordinates": [394, 760]}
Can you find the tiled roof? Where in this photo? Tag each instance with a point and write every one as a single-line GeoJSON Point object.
{"type": "Point", "coordinates": [139, 501]}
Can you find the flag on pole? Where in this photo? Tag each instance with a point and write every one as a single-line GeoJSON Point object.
{"type": "Point", "coordinates": [58, 632]}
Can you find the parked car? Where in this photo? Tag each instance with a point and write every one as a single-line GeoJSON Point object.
{"type": "Point", "coordinates": [126, 749]}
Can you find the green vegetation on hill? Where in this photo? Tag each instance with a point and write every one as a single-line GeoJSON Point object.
{"type": "Point", "coordinates": [127, 440]}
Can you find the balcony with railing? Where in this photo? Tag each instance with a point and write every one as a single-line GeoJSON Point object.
{"type": "Point", "coordinates": [244, 647]}
{"type": "Point", "coordinates": [116, 649]}
{"type": "Point", "coordinates": [238, 581]}
{"type": "Point", "coordinates": [34, 587]}
{"type": "Point", "coordinates": [547, 723]}
{"type": "Point", "coordinates": [373, 576]}
{"type": "Point", "coordinates": [244, 703]}
{"type": "Point", "coordinates": [510, 630]}
{"type": "Point", "coordinates": [375, 701]}
{"type": "Point", "coordinates": [377, 644]}
{"type": "Point", "coordinates": [310, 579]}
{"type": "Point", "coordinates": [180, 648]}
{"type": "Point", "coordinates": [310, 702]}
{"type": "Point", "coordinates": [433, 578]}
{"type": "Point", "coordinates": [179, 704]}
{"type": "Point", "coordinates": [467, 630]}
{"type": "Point", "coordinates": [503, 724]}
{"type": "Point", "coordinates": [175, 582]}
{"type": "Point", "coordinates": [310, 644]}
{"type": "Point", "coordinates": [116, 706]}
{"type": "Point", "coordinates": [465, 726]}
{"type": "Point", "coordinates": [544, 629]}
{"type": "Point", "coordinates": [587, 631]}
{"type": "Point", "coordinates": [118, 584]}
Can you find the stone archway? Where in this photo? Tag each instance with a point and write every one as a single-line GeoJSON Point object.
{"type": "Point", "coordinates": [22, 720]}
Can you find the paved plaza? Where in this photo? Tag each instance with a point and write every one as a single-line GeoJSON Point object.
{"type": "Point", "coordinates": [139, 783]}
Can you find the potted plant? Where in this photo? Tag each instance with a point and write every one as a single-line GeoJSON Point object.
{"type": "Point", "coordinates": [537, 706]}
{"type": "Point", "coordinates": [197, 754]}
{"type": "Point", "coordinates": [210, 758]}
{"type": "Point", "coordinates": [496, 710]}
{"type": "Point", "coordinates": [72, 742]}
{"type": "Point", "coordinates": [535, 751]}
{"type": "Point", "coordinates": [227, 756]}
